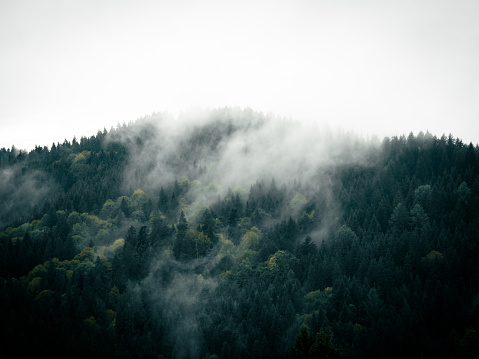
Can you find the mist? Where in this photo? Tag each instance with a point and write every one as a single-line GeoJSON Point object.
{"type": "Point", "coordinates": [20, 191]}
{"type": "Point", "coordinates": [230, 149]}
{"type": "Point", "coordinates": [183, 297]}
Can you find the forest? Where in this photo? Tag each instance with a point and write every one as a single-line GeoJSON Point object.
{"type": "Point", "coordinates": [229, 233]}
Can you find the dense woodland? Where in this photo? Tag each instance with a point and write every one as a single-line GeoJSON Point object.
{"type": "Point", "coordinates": [100, 257]}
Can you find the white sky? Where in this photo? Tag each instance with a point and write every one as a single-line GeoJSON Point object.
{"type": "Point", "coordinates": [373, 66]}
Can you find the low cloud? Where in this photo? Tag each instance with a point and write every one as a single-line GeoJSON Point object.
{"type": "Point", "coordinates": [20, 191]}
{"type": "Point", "coordinates": [231, 148]}
{"type": "Point", "coordinates": [182, 296]}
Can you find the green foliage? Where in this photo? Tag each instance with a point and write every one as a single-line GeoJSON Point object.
{"type": "Point", "coordinates": [399, 218]}
{"type": "Point", "coordinates": [199, 243]}
{"type": "Point", "coordinates": [251, 239]}
{"type": "Point", "coordinates": [321, 346]}
{"type": "Point", "coordinates": [297, 202]}
{"type": "Point", "coordinates": [422, 196]}
{"type": "Point", "coordinates": [278, 261]}
{"type": "Point", "coordinates": [109, 209]}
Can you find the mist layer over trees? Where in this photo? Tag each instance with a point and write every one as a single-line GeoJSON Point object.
{"type": "Point", "coordinates": [231, 234]}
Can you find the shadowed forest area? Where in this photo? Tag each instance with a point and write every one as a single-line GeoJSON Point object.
{"type": "Point", "coordinates": [232, 234]}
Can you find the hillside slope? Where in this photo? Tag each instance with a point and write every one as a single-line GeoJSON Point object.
{"type": "Point", "coordinates": [229, 233]}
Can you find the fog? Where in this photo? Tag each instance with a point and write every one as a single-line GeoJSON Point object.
{"type": "Point", "coordinates": [21, 190]}
{"type": "Point", "coordinates": [233, 148]}
{"type": "Point", "coordinates": [182, 297]}
{"type": "Point", "coordinates": [211, 154]}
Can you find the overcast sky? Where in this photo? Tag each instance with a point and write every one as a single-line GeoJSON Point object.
{"type": "Point", "coordinates": [373, 66]}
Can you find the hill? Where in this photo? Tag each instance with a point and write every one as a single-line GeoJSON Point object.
{"type": "Point", "coordinates": [230, 233]}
